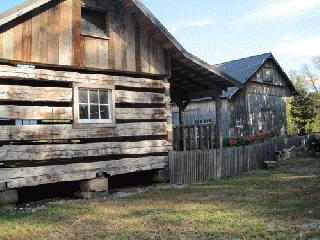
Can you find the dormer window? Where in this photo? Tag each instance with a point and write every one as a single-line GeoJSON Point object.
{"type": "Point", "coordinates": [93, 23]}
{"type": "Point", "coordinates": [268, 74]}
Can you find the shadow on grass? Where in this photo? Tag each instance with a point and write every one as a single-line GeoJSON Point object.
{"type": "Point", "coordinates": [258, 205]}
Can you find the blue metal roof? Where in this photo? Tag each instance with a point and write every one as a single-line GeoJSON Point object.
{"type": "Point", "coordinates": [242, 69]}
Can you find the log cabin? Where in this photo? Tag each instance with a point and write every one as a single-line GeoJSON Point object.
{"type": "Point", "coordinates": [260, 106]}
{"type": "Point", "coordinates": [86, 88]}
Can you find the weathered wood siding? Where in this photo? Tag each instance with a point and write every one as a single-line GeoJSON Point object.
{"type": "Point", "coordinates": [266, 103]}
{"type": "Point", "coordinates": [200, 166]}
{"type": "Point", "coordinates": [259, 106]}
{"type": "Point", "coordinates": [139, 139]}
{"type": "Point", "coordinates": [52, 35]}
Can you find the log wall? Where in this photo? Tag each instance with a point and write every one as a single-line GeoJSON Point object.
{"type": "Point", "coordinates": [56, 150]}
{"type": "Point", "coordinates": [52, 35]}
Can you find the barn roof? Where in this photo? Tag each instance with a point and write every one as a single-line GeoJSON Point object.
{"type": "Point", "coordinates": [243, 69]}
{"type": "Point", "coordinates": [190, 74]}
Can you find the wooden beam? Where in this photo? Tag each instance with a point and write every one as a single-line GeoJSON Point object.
{"type": "Point", "coordinates": [219, 137]}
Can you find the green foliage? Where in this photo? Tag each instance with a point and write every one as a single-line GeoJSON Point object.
{"type": "Point", "coordinates": [302, 108]}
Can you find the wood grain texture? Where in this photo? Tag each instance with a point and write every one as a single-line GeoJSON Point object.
{"type": "Point", "coordinates": [45, 132]}
{"type": "Point", "coordinates": [60, 113]}
{"type": "Point", "coordinates": [68, 151]}
{"type": "Point", "coordinates": [138, 97]}
{"type": "Point", "coordinates": [16, 173]}
{"type": "Point", "coordinates": [201, 166]}
{"type": "Point", "coordinates": [53, 29]}
{"type": "Point", "coordinates": [23, 177]}
{"type": "Point", "coordinates": [65, 35]}
{"type": "Point", "coordinates": [36, 113]}
{"type": "Point", "coordinates": [55, 38]}
{"type": "Point", "coordinates": [26, 93]}
{"type": "Point", "coordinates": [26, 41]}
{"type": "Point", "coordinates": [9, 72]}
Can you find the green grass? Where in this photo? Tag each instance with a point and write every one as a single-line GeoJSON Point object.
{"type": "Point", "coordinates": [259, 205]}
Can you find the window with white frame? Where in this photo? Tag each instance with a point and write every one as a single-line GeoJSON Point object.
{"type": "Point", "coordinates": [95, 105]}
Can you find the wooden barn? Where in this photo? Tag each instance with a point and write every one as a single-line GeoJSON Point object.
{"type": "Point", "coordinates": [259, 106]}
{"type": "Point", "coordinates": [85, 94]}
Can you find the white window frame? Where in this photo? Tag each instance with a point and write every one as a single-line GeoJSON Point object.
{"type": "Point", "coordinates": [83, 123]}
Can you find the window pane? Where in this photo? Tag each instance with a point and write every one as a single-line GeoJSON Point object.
{"type": "Point", "coordinates": [26, 122]}
{"type": "Point", "coordinates": [19, 122]}
{"type": "Point", "coordinates": [94, 112]}
{"type": "Point", "coordinates": [104, 112]}
{"type": "Point", "coordinates": [83, 96]}
{"type": "Point", "coordinates": [83, 110]}
{"type": "Point", "coordinates": [94, 96]}
{"type": "Point", "coordinates": [103, 97]}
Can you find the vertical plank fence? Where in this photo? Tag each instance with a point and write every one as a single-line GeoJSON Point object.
{"type": "Point", "coordinates": [196, 137]}
{"type": "Point", "coordinates": [204, 165]}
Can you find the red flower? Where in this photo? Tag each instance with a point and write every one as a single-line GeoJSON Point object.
{"type": "Point", "coordinates": [233, 142]}
{"type": "Point", "coordinates": [251, 139]}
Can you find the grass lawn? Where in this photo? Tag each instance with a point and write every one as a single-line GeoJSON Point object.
{"type": "Point", "coordinates": [258, 205]}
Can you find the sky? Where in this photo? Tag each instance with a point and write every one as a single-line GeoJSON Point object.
{"type": "Point", "coordinates": [219, 31]}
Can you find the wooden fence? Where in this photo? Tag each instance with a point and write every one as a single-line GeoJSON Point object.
{"type": "Point", "coordinates": [199, 166]}
{"type": "Point", "coordinates": [194, 137]}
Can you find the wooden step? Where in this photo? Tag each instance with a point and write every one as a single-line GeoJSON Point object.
{"type": "Point", "coordinates": [272, 164]}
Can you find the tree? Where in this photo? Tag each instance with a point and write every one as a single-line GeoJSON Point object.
{"type": "Point", "coordinates": [312, 77]}
{"type": "Point", "coordinates": [302, 107]}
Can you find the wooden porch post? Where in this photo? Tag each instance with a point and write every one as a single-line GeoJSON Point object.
{"type": "Point", "coordinates": [181, 129]}
{"type": "Point", "coordinates": [182, 106]}
{"type": "Point", "coordinates": [219, 137]}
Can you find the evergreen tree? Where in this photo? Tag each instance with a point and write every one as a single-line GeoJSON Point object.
{"type": "Point", "coordinates": [302, 109]}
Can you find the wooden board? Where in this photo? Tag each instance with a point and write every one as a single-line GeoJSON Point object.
{"type": "Point", "coordinates": [16, 173]}
{"type": "Point", "coordinates": [9, 72]}
{"type": "Point", "coordinates": [45, 132]}
{"type": "Point", "coordinates": [138, 97]}
{"type": "Point", "coordinates": [24, 177]}
{"type": "Point", "coordinates": [35, 113]}
{"type": "Point", "coordinates": [56, 39]}
{"type": "Point", "coordinates": [58, 113]}
{"type": "Point", "coordinates": [65, 151]}
{"type": "Point", "coordinates": [26, 93]}
{"type": "Point", "coordinates": [141, 113]}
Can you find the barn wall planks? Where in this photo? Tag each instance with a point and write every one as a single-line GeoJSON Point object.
{"type": "Point", "coordinates": [53, 35]}
{"type": "Point", "coordinates": [200, 166]}
{"type": "Point", "coordinates": [259, 106]}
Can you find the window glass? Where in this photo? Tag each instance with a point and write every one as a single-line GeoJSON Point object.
{"type": "Point", "coordinates": [83, 96]}
{"type": "Point", "coordinates": [94, 112]}
{"type": "Point", "coordinates": [103, 97]}
{"type": "Point", "coordinates": [104, 112]}
{"type": "Point", "coordinates": [94, 96]}
{"type": "Point", "coordinates": [84, 111]}
{"type": "Point", "coordinates": [94, 105]}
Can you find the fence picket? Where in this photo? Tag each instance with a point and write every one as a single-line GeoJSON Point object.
{"type": "Point", "coordinates": [197, 166]}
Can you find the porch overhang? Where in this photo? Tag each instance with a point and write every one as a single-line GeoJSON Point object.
{"type": "Point", "coordinates": [192, 78]}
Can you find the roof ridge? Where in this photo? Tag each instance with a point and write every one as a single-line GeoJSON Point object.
{"type": "Point", "coordinates": [244, 58]}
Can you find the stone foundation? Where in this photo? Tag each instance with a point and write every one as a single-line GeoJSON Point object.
{"type": "Point", "coordinates": [160, 176]}
{"type": "Point", "coordinates": [89, 187]}
{"type": "Point", "coordinates": [8, 200]}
